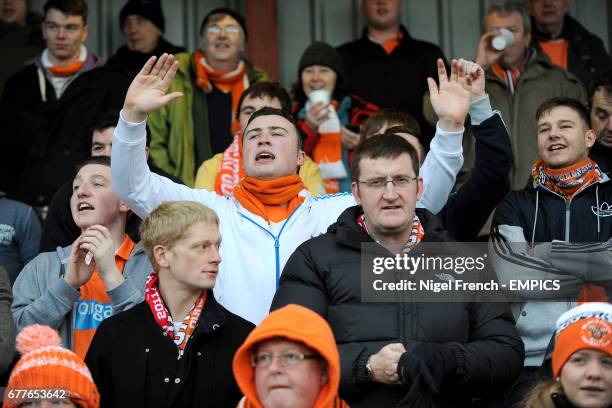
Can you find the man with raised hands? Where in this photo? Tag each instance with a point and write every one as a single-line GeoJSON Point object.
{"type": "Point", "coordinates": [271, 212]}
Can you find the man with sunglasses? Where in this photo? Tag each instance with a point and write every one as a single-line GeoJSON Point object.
{"type": "Point", "coordinates": [202, 124]}
{"type": "Point", "coordinates": [395, 349]}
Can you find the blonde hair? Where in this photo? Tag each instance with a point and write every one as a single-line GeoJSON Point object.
{"type": "Point", "coordinates": [541, 395]}
{"type": "Point", "coordinates": [168, 223]}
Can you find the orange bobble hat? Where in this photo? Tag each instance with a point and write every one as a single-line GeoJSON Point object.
{"type": "Point", "coordinates": [45, 365]}
{"type": "Point", "coordinates": [588, 326]}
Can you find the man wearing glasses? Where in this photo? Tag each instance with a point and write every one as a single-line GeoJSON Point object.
{"type": "Point", "coordinates": [48, 106]}
{"type": "Point", "coordinates": [407, 352]}
{"type": "Point", "coordinates": [200, 125]}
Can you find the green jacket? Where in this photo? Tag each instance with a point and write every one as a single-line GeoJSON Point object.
{"type": "Point", "coordinates": [539, 81]}
{"type": "Point", "coordinates": [173, 127]}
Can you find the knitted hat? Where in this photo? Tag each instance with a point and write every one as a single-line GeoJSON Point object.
{"type": "Point", "coordinates": [44, 364]}
{"type": "Point", "coordinates": [588, 326]}
{"type": "Point", "coordinates": [149, 9]}
{"type": "Point", "coordinates": [320, 53]}
{"type": "Point", "coordinates": [232, 13]}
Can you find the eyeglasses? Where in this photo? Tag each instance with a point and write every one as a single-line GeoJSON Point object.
{"type": "Point", "coordinates": [380, 183]}
{"type": "Point", "coordinates": [71, 28]}
{"type": "Point", "coordinates": [290, 358]}
{"type": "Point", "coordinates": [216, 30]}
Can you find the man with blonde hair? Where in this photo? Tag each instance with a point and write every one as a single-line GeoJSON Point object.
{"type": "Point", "coordinates": [172, 338]}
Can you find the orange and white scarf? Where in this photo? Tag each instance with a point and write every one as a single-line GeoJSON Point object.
{"type": "Point", "coordinates": [273, 200]}
{"type": "Point", "coordinates": [231, 170]}
{"type": "Point", "coordinates": [179, 332]}
{"type": "Point", "coordinates": [566, 181]}
{"type": "Point", "coordinates": [327, 153]}
{"type": "Point", "coordinates": [417, 232]}
{"type": "Point", "coordinates": [234, 81]}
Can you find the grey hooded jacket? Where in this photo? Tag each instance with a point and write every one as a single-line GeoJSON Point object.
{"type": "Point", "coordinates": [42, 296]}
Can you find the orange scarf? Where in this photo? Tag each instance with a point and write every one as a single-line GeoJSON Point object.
{"type": "Point", "coordinates": [234, 82]}
{"type": "Point", "coordinates": [231, 170]}
{"type": "Point", "coordinates": [71, 69]}
{"type": "Point", "coordinates": [273, 200]}
{"type": "Point", "coordinates": [567, 181]}
{"type": "Point", "coordinates": [507, 75]}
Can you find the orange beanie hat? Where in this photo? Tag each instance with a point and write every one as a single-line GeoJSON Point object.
{"type": "Point", "coordinates": [588, 326]}
{"type": "Point", "coordinates": [45, 365]}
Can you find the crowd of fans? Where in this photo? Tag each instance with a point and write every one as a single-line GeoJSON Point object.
{"type": "Point", "coordinates": [176, 230]}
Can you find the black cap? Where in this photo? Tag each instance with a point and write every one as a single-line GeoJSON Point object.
{"type": "Point", "coordinates": [320, 53]}
{"type": "Point", "coordinates": [149, 9]}
{"type": "Point", "coordinates": [230, 12]}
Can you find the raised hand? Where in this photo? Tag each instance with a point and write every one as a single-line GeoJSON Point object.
{"type": "Point", "coordinates": [147, 92]}
{"type": "Point", "coordinates": [474, 78]}
{"type": "Point", "coordinates": [451, 101]}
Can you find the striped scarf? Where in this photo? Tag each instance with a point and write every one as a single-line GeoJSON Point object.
{"type": "Point", "coordinates": [179, 332]}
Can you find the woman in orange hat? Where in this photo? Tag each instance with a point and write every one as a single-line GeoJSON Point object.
{"type": "Point", "coordinates": [581, 361]}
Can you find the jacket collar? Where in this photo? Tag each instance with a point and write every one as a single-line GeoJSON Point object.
{"type": "Point", "coordinates": [405, 40]}
{"type": "Point", "coordinates": [349, 233]}
{"type": "Point", "coordinates": [213, 316]}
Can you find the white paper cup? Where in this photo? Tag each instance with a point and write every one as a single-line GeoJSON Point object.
{"type": "Point", "coordinates": [503, 40]}
{"type": "Point", "coordinates": [320, 95]}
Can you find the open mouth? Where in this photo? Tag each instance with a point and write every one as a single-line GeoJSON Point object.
{"type": "Point", "coordinates": [391, 207]}
{"type": "Point", "coordinates": [222, 46]}
{"type": "Point", "coordinates": [555, 147]}
{"type": "Point", "coordinates": [85, 207]}
{"type": "Point", "coordinates": [264, 157]}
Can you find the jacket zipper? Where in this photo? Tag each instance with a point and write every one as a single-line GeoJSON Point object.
{"type": "Point", "coordinates": [568, 204]}
{"type": "Point", "coordinates": [276, 240]}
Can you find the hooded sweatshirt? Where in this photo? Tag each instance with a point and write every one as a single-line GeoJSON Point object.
{"type": "Point", "coordinates": [295, 323]}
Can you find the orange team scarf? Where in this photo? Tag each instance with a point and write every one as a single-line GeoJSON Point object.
{"type": "Point", "coordinates": [231, 170]}
{"type": "Point", "coordinates": [327, 153]}
{"type": "Point", "coordinates": [556, 51]}
{"type": "Point", "coordinates": [273, 200]}
{"type": "Point", "coordinates": [416, 232]}
{"type": "Point", "coordinates": [94, 305]}
{"type": "Point", "coordinates": [509, 76]}
{"type": "Point", "coordinates": [567, 181]}
{"type": "Point", "coordinates": [234, 82]}
{"type": "Point", "coordinates": [179, 332]}
{"type": "Point", "coordinates": [71, 69]}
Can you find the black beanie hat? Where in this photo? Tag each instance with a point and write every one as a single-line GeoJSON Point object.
{"type": "Point", "coordinates": [320, 53]}
{"type": "Point", "coordinates": [232, 13]}
{"type": "Point", "coordinates": [149, 9]}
